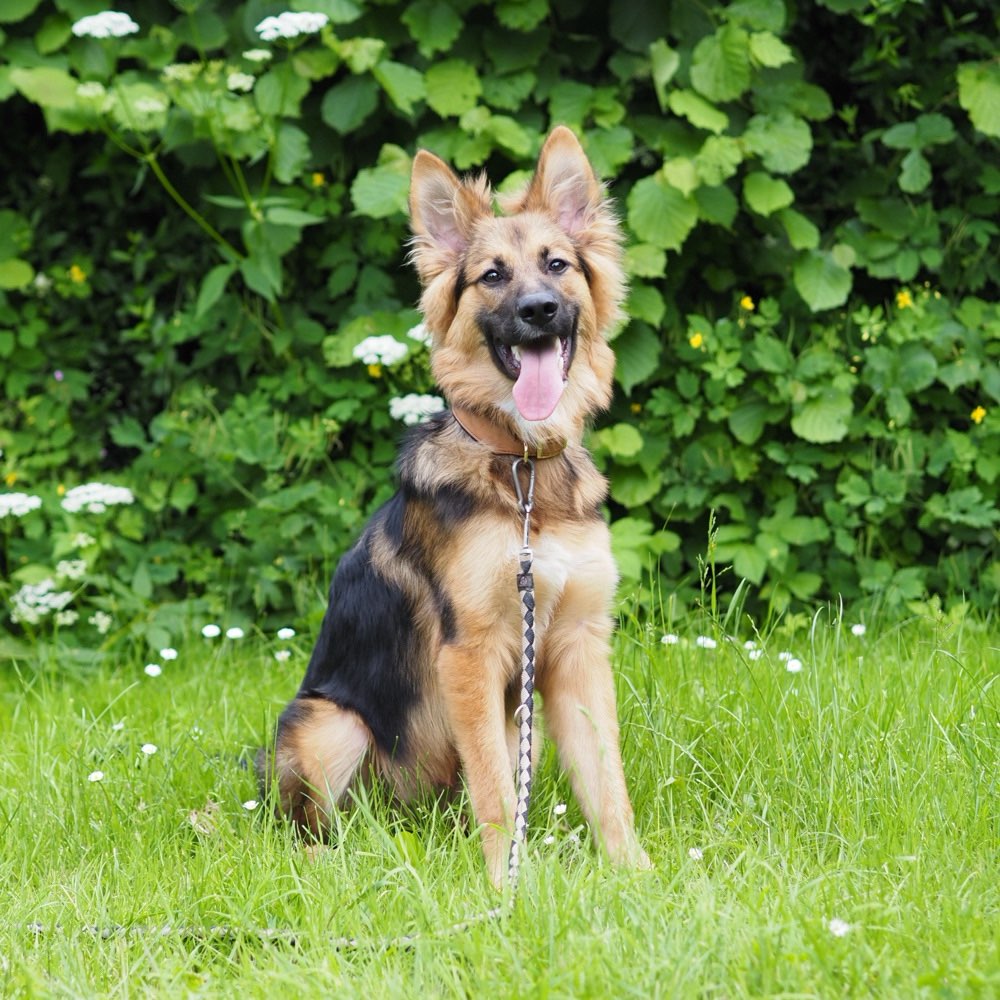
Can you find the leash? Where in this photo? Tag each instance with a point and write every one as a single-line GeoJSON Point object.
{"type": "Point", "coordinates": [525, 710]}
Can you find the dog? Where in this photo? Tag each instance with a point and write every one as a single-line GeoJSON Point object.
{"type": "Point", "coordinates": [415, 675]}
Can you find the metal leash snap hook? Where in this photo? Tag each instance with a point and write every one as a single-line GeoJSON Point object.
{"type": "Point", "coordinates": [525, 501]}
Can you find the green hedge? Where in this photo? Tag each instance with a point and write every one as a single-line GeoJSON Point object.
{"type": "Point", "coordinates": [198, 227]}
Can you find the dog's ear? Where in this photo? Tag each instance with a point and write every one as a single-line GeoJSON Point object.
{"type": "Point", "coordinates": [443, 211]}
{"type": "Point", "coordinates": [564, 183]}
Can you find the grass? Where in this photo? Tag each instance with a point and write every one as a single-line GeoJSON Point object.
{"type": "Point", "coordinates": [826, 833]}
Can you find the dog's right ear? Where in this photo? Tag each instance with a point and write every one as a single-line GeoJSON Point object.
{"type": "Point", "coordinates": [443, 211]}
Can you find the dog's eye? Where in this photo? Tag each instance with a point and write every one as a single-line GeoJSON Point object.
{"type": "Point", "coordinates": [557, 265]}
{"type": "Point", "coordinates": [492, 276]}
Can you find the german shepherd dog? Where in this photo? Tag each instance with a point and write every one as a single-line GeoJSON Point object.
{"type": "Point", "coordinates": [415, 675]}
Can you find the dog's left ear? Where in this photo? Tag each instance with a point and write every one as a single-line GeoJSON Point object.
{"type": "Point", "coordinates": [564, 183]}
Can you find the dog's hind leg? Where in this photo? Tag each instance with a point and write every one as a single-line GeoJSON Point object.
{"type": "Point", "coordinates": [319, 750]}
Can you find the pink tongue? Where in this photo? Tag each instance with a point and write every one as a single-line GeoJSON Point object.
{"type": "Point", "coordinates": [540, 384]}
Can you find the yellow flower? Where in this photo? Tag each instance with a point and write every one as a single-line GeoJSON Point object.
{"type": "Point", "coordinates": [903, 299]}
{"type": "Point", "coordinates": [636, 407]}
{"type": "Point", "coordinates": [77, 274]}
{"type": "Point", "coordinates": [318, 179]}
{"type": "Point", "coordinates": [10, 478]}
{"type": "Point", "coordinates": [375, 371]}
{"type": "Point", "coordinates": [747, 303]}
{"type": "Point", "coordinates": [60, 489]}
{"type": "Point", "coordinates": [696, 340]}
{"type": "Point", "coordinates": [977, 415]}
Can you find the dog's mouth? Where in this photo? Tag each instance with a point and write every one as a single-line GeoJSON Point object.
{"type": "Point", "coordinates": [539, 369]}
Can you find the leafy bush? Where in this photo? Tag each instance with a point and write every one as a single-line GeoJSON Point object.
{"type": "Point", "coordinates": [200, 227]}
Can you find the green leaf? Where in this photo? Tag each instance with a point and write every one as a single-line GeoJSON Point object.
{"type": "Point", "coordinates": [433, 25]}
{"type": "Point", "coordinates": [659, 214]}
{"type": "Point", "coordinates": [638, 355]}
{"type": "Point", "coordinates": [403, 84]}
{"type": "Point", "coordinates": [782, 141]}
{"type": "Point", "coordinates": [765, 194]}
{"type": "Point", "coordinates": [681, 174]}
{"type": "Point", "coordinates": [381, 191]}
{"type": "Point", "coordinates": [453, 87]}
{"type": "Point", "coordinates": [622, 440]}
{"type": "Point", "coordinates": [609, 149]}
{"type": "Point", "coordinates": [979, 95]}
{"type": "Point", "coordinates": [824, 419]}
{"type": "Point", "coordinates": [749, 563]}
{"type": "Point", "coordinates": [291, 152]}
{"type": "Point", "coordinates": [212, 287]}
{"type": "Point", "coordinates": [748, 420]}
{"type": "Point", "coordinates": [646, 303]}
{"type": "Point", "coordinates": [766, 49]}
{"type": "Point", "coordinates": [645, 261]}
{"type": "Point", "coordinates": [664, 62]}
{"type": "Point", "coordinates": [521, 15]}
{"type": "Point", "coordinates": [914, 172]}
{"type": "Point", "coordinates": [15, 273]}
{"type": "Point", "coordinates": [720, 65]}
{"type": "Point", "coordinates": [12, 11]}
{"type": "Point", "coordinates": [718, 159]}
{"type": "Point", "coordinates": [280, 91]}
{"type": "Point", "coordinates": [801, 232]}
{"type": "Point", "coordinates": [770, 354]}
{"type": "Point", "coordinates": [821, 281]}
{"type": "Point", "coordinates": [698, 111]}
{"type": "Point", "coordinates": [283, 215]}
{"type": "Point", "coordinates": [717, 205]}
{"type": "Point", "coordinates": [45, 86]}
{"type": "Point", "coordinates": [348, 104]}
{"type": "Point", "coordinates": [52, 35]}
{"type": "Point", "coordinates": [570, 102]}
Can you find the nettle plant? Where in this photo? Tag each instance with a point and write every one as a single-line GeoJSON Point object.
{"type": "Point", "coordinates": [198, 260]}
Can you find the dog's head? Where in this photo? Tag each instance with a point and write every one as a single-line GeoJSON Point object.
{"type": "Point", "coordinates": [520, 304]}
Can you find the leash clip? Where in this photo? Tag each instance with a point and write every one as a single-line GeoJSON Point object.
{"type": "Point", "coordinates": [525, 499]}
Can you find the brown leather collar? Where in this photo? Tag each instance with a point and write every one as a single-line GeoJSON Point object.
{"type": "Point", "coordinates": [480, 429]}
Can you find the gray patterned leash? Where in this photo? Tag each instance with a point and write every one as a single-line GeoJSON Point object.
{"type": "Point", "coordinates": [525, 709]}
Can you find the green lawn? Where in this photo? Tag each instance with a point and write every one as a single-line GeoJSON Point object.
{"type": "Point", "coordinates": [826, 832]}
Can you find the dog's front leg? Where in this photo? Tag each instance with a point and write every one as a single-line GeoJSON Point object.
{"type": "Point", "coordinates": [575, 681]}
{"type": "Point", "coordinates": [472, 682]}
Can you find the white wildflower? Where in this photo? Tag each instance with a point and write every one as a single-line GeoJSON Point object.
{"type": "Point", "coordinates": [211, 631]}
{"type": "Point", "coordinates": [95, 776]}
{"type": "Point", "coordinates": [118, 726]}
{"type": "Point", "coordinates": [181, 72]}
{"type": "Point", "coordinates": [695, 853]}
{"type": "Point", "coordinates": [148, 749]}
{"type": "Point", "coordinates": [68, 617]}
{"type": "Point", "coordinates": [838, 927]}
{"type": "Point", "coordinates": [250, 805]}
{"type": "Point", "coordinates": [234, 633]}
{"type": "Point", "coordinates": [71, 569]}
{"type": "Point", "coordinates": [18, 504]}
{"type": "Point", "coordinates": [91, 90]}
{"type": "Point", "coordinates": [149, 105]}
{"type": "Point", "coordinates": [101, 620]}
{"type": "Point", "coordinates": [81, 540]}
{"type": "Point", "coordinates": [286, 633]}
{"type": "Point", "coordinates": [168, 654]}
{"type": "Point", "coordinates": [749, 645]}
{"type": "Point", "coordinates": [559, 810]}
{"type": "Point", "coordinates": [549, 840]}
{"type": "Point", "coordinates": [41, 283]}
{"type": "Point", "coordinates": [420, 334]}
{"type": "Point", "coordinates": [414, 408]}
{"type": "Point", "coordinates": [257, 55]}
{"type": "Point", "coordinates": [152, 670]}
{"type": "Point", "coordinates": [755, 654]}
{"type": "Point", "coordinates": [670, 639]}
{"type": "Point", "coordinates": [858, 630]}
{"type": "Point", "coordinates": [95, 498]}
{"type": "Point", "coordinates": [794, 665]}
{"type": "Point", "coordinates": [107, 24]}
{"type": "Point", "coordinates": [290, 24]}
{"type": "Point", "coordinates": [383, 350]}
{"type": "Point", "coordinates": [706, 642]}
{"type": "Point", "coordinates": [36, 600]}
{"type": "Point", "coordinates": [282, 654]}
{"type": "Point", "coordinates": [785, 656]}
{"type": "Point", "coordinates": [240, 82]}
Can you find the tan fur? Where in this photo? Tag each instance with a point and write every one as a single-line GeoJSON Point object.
{"type": "Point", "coordinates": [465, 660]}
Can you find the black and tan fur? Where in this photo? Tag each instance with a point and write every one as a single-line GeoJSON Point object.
{"type": "Point", "coordinates": [414, 677]}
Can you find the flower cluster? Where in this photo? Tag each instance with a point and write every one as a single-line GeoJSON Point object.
{"type": "Point", "coordinates": [754, 652]}
{"type": "Point", "coordinates": [95, 498]}
{"type": "Point", "coordinates": [414, 408]}
{"type": "Point", "coordinates": [384, 350]}
{"type": "Point", "coordinates": [290, 24]}
{"type": "Point", "coordinates": [107, 24]}
{"type": "Point", "coordinates": [36, 600]}
{"type": "Point", "coordinates": [18, 504]}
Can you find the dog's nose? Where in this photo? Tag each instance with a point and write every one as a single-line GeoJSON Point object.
{"type": "Point", "coordinates": [537, 308]}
